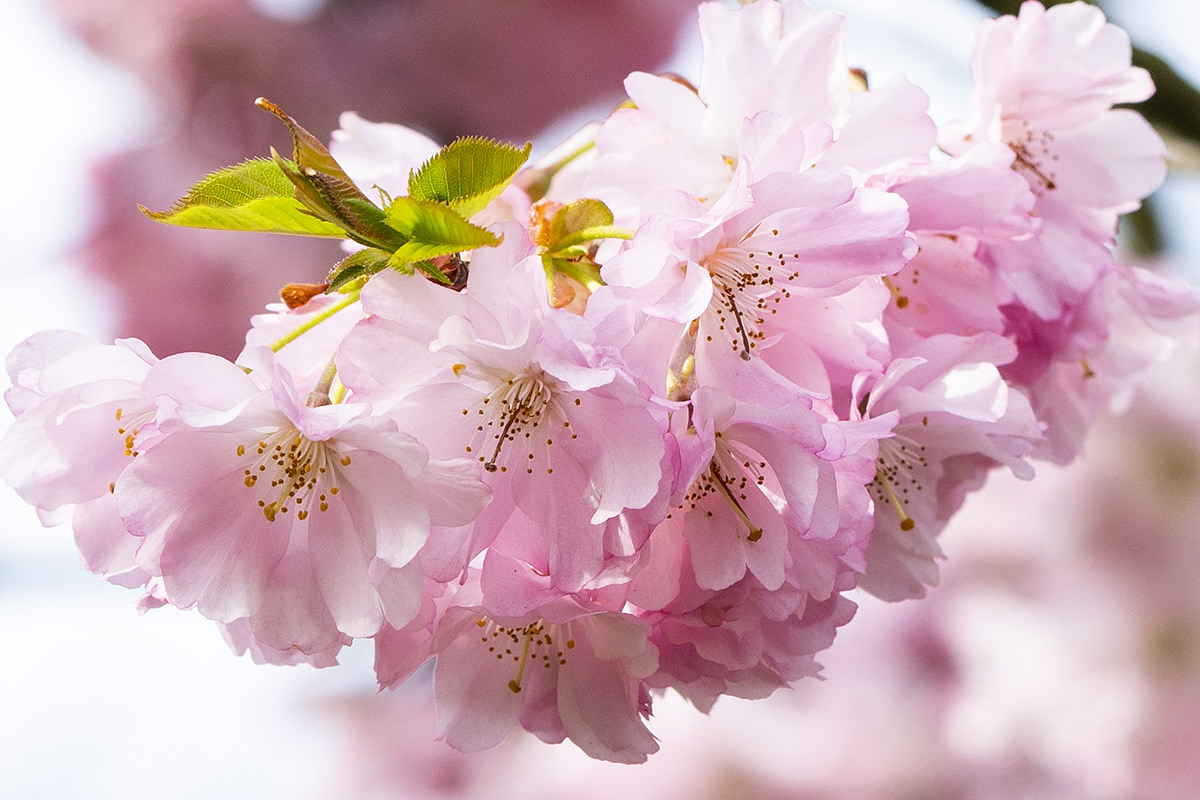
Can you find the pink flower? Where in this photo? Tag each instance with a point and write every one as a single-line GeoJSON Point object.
{"type": "Point", "coordinates": [379, 154]}
{"type": "Point", "coordinates": [81, 421]}
{"type": "Point", "coordinates": [80, 417]}
{"type": "Point", "coordinates": [1045, 84]}
{"type": "Point", "coordinates": [313, 332]}
{"type": "Point", "coordinates": [1077, 367]}
{"type": "Point", "coordinates": [240, 637]}
{"type": "Point", "coordinates": [763, 477]}
{"type": "Point", "coordinates": [958, 420]}
{"type": "Point", "coordinates": [767, 267]}
{"type": "Point", "coordinates": [744, 641]}
{"type": "Point", "coordinates": [780, 58]}
{"type": "Point", "coordinates": [563, 671]}
{"type": "Point", "coordinates": [527, 391]}
{"type": "Point", "coordinates": [307, 521]}
{"type": "Point", "coordinates": [956, 209]}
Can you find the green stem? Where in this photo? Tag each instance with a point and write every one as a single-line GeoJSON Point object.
{"type": "Point", "coordinates": [283, 341]}
{"type": "Point", "coordinates": [591, 234]}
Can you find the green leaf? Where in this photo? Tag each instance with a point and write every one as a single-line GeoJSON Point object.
{"type": "Point", "coordinates": [325, 189]}
{"type": "Point", "coordinates": [431, 230]}
{"type": "Point", "coordinates": [429, 268]}
{"type": "Point", "coordinates": [565, 241]}
{"type": "Point", "coordinates": [308, 152]}
{"type": "Point", "coordinates": [467, 174]}
{"type": "Point", "coordinates": [358, 264]}
{"type": "Point", "coordinates": [580, 217]}
{"type": "Point", "coordinates": [255, 195]}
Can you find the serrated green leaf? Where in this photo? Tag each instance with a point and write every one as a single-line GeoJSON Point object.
{"type": "Point", "coordinates": [324, 188]}
{"type": "Point", "coordinates": [358, 264]}
{"type": "Point", "coordinates": [432, 229]}
{"type": "Point", "coordinates": [340, 203]}
{"type": "Point", "coordinates": [255, 195]}
{"type": "Point", "coordinates": [467, 174]}
{"type": "Point", "coordinates": [428, 267]}
{"type": "Point", "coordinates": [413, 251]}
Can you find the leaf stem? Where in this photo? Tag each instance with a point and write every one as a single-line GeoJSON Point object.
{"type": "Point", "coordinates": [591, 234]}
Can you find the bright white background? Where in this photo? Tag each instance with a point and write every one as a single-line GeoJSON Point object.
{"type": "Point", "coordinates": [99, 702]}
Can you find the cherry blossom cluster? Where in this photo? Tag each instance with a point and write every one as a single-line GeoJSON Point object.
{"type": "Point", "coordinates": [737, 350]}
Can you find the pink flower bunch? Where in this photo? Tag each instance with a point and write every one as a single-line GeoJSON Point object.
{"type": "Point", "coordinates": [580, 476]}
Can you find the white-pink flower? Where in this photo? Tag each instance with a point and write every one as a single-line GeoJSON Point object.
{"type": "Point", "coordinates": [307, 521]}
{"type": "Point", "coordinates": [1045, 85]}
{"type": "Point", "coordinates": [566, 670]}
{"type": "Point", "coordinates": [775, 268]}
{"type": "Point", "coordinates": [532, 394]}
{"type": "Point", "coordinates": [81, 421]}
{"type": "Point", "coordinates": [958, 419]}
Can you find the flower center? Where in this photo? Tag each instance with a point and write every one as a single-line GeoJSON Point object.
{"type": "Point", "coordinates": [130, 425]}
{"type": "Point", "coordinates": [898, 469]}
{"type": "Point", "coordinates": [729, 476]}
{"type": "Point", "coordinates": [291, 469]}
{"type": "Point", "coordinates": [747, 284]}
{"type": "Point", "coordinates": [530, 644]}
{"type": "Point", "coordinates": [1034, 157]}
{"type": "Point", "coordinates": [524, 408]}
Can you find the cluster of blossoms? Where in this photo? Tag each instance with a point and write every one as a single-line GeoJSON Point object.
{"type": "Point", "coordinates": [640, 416]}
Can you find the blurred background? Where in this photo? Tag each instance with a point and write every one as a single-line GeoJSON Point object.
{"type": "Point", "coordinates": [1060, 657]}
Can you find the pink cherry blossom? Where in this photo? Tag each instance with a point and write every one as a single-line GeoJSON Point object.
{"type": "Point", "coordinates": [529, 392]}
{"type": "Point", "coordinates": [379, 154]}
{"type": "Point", "coordinates": [782, 58]}
{"type": "Point", "coordinates": [805, 337]}
{"type": "Point", "coordinates": [779, 57]}
{"type": "Point", "coordinates": [756, 268]}
{"type": "Point", "coordinates": [1045, 84]}
{"type": "Point", "coordinates": [1075, 368]}
{"type": "Point", "coordinates": [305, 520]}
{"type": "Point", "coordinates": [82, 419]}
{"type": "Point", "coordinates": [312, 332]}
{"type": "Point", "coordinates": [563, 671]}
{"type": "Point", "coordinates": [567, 668]}
{"type": "Point", "coordinates": [958, 419]}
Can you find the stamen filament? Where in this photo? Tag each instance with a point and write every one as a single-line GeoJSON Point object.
{"type": "Point", "coordinates": [741, 324]}
{"type": "Point", "coordinates": [901, 300]}
{"type": "Point", "coordinates": [906, 522]}
{"type": "Point", "coordinates": [755, 531]}
{"type": "Point", "coordinates": [515, 683]}
{"type": "Point", "coordinates": [490, 464]}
